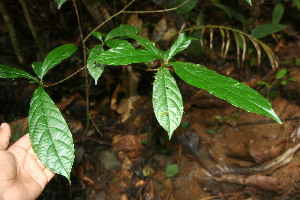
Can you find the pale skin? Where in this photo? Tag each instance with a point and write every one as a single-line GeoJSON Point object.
{"type": "Point", "coordinates": [22, 175]}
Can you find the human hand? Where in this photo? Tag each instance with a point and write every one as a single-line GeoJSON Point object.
{"type": "Point", "coordinates": [22, 175]}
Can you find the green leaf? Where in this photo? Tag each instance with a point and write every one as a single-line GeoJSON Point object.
{"type": "Point", "coordinates": [233, 91]}
{"type": "Point", "coordinates": [264, 30]}
{"type": "Point", "coordinates": [60, 3]}
{"type": "Point", "coordinates": [97, 35]}
{"type": "Point", "coordinates": [249, 1]}
{"type": "Point", "coordinates": [181, 43]}
{"type": "Point", "coordinates": [281, 73]}
{"type": "Point", "coordinates": [117, 43]}
{"type": "Point", "coordinates": [187, 7]}
{"type": "Point", "coordinates": [277, 13]}
{"type": "Point", "coordinates": [125, 56]}
{"type": "Point", "coordinates": [10, 72]}
{"type": "Point", "coordinates": [172, 170]}
{"type": "Point", "coordinates": [54, 57]}
{"type": "Point", "coordinates": [297, 3]}
{"type": "Point", "coordinates": [95, 69]}
{"type": "Point", "coordinates": [167, 101]}
{"type": "Point", "coordinates": [123, 30]}
{"type": "Point", "coordinates": [37, 66]}
{"type": "Point", "coordinates": [49, 134]}
{"type": "Point", "coordinates": [147, 44]}
{"type": "Point", "coordinates": [132, 32]}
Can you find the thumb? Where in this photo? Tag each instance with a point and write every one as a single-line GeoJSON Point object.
{"type": "Point", "coordinates": [4, 136]}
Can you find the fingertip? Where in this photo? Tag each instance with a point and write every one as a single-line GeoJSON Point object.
{"type": "Point", "coordinates": [3, 125]}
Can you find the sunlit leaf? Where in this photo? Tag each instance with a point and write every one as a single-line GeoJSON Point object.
{"type": "Point", "coordinates": [95, 69]}
{"type": "Point", "coordinates": [60, 3]}
{"type": "Point", "coordinates": [10, 72]}
{"type": "Point", "coordinates": [123, 30]}
{"type": "Point", "coordinates": [117, 43]}
{"type": "Point", "coordinates": [97, 35]}
{"type": "Point", "coordinates": [281, 73]}
{"type": "Point", "coordinates": [233, 91]}
{"type": "Point", "coordinates": [132, 32]}
{"type": "Point", "coordinates": [54, 57]}
{"type": "Point", "coordinates": [167, 101]}
{"type": "Point", "coordinates": [249, 1]}
{"type": "Point", "coordinates": [50, 136]}
{"type": "Point", "coordinates": [125, 56]}
{"type": "Point", "coordinates": [181, 43]}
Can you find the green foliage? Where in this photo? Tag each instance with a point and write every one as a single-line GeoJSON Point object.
{"type": "Point", "coordinates": [9, 72]}
{"type": "Point", "coordinates": [50, 136]}
{"type": "Point", "coordinates": [249, 1]}
{"type": "Point", "coordinates": [98, 36]}
{"type": "Point", "coordinates": [95, 69]}
{"type": "Point", "coordinates": [49, 133]}
{"type": "Point", "coordinates": [60, 3]}
{"type": "Point", "coordinates": [172, 170]}
{"type": "Point", "coordinates": [187, 7]}
{"type": "Point", "coordinates": [179, 45]}
{"type": "Point", "coordinates": [277, 13]}
{"type": "Point", "coordinates": [53, 58]}
{"type": "Point", "coordinates": [264, 30]}
{"type": "Point", "coordinates": [124, 55]}
{"type": "Point", "coordinates": [281, 73]}
{"type": "Point", "coordinates": [233, 91]}
{"type": "Point", "coordinates": [167, 101]}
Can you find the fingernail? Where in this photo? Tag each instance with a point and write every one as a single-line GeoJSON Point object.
{"type": "Point", "coordinates": [2, 125]}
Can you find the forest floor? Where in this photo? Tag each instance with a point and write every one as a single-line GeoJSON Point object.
{"type": "Point", "coordinates": [122, 152]}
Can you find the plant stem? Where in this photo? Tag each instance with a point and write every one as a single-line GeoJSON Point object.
{"type": "Point", "coordinates": [31, 27]}
{"type": "Point", "coordinates": [12, 31]}
{"type": "Point", "coordinates": [85, 71]}
{"type": "Point", "coordinates": [156, 11]}
{"type": "Point", "coordinates": [52, 84]}
{"type": "Point", "coordinates": [116, 14]}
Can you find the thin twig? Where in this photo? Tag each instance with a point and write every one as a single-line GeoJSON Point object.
{"type": "Point", "coordinates": [31, 27]}
{"type": "Point", "coordinates": [12, 31]}
{"type": "Point", "coordinates": [52, 84]}
{"type": "Point", "coordinates": [96, 127]}
{"type": "Point", "coordinates": [116, 14]}
{"type": "Point", "coordinates": [157, 11]}
{"type": "Point", "coordinates": [85, 71]}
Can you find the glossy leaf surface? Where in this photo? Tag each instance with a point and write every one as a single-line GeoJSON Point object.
{"type": "Point", "coordinates": [60, 3]}
{"type": "Point", "coordinates": [231, 90]}
{"type": "Point", "coordinates": [250, 2]}
{"type": "Point", "coordinates": [10, 72]}
{"type": "Point", "coordinates": [50, 136]}
{"type": "Point", "coordinates": [125, 55]}
{"type": "Point", "coordinates": [123, 30]}
{"type": "Point", "coordinates": [117, 43]}
{"type": "Point", "coordinates": [54, 57]}
{"type": "Point", "coordinates": [95, 69]}
{"type": "Point", "coordinates": [132, 32]}
{"type": "Point", "coordinates": [167, 101]}
{"type": "Point", "coordinates": [181, 43]}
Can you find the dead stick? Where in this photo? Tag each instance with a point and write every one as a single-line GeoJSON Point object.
{"type": "Point", "coordinates": [12, 31]}
{"type": "Point", "coordinates": [31, 27]}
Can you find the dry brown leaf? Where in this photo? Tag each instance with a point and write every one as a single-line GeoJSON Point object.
{"type": "Point", "coordinates": [134, 20]}
{"type": "Point", "coordinates": [129, 142]}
